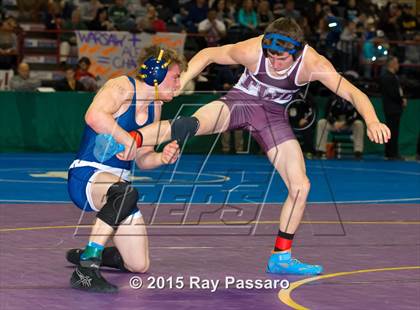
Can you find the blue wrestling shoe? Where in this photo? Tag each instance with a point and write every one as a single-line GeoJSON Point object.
{"type": "Point", "coordinates": [283, 263]}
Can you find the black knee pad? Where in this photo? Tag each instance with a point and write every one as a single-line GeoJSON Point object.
{"type": "Point", "coordinates": [183, 128]}
{"type": "Point", "coordinates": [121, 202]}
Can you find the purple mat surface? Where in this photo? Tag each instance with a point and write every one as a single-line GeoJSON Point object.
{"type": "Point", "coordinates": [213, 245]}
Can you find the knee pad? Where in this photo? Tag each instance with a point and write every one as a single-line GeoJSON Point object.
{"type": "Point", "coordinates": [121, 202]}
{"type": "Point", "coordinates": [183, 128]}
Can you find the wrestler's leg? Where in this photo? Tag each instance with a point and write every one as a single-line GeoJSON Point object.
{"type": "Point", "coordinates": [288, 160]}
{"type": "Point", "coordinates": [112, 198]}
{"type": "Point", "coordinates": [131, 251]}
{"type": "Point", "coordinates": [132, 244]}
{"type": "Point", "coordinates": [213, 118]}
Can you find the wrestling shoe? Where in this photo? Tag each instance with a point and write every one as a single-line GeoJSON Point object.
{"type": "Point", "coordinates": [88, 278]}
{"type": "Point", "coordinates": [283, 263]}
{"type": "Point", "coordinates": [111, 257]}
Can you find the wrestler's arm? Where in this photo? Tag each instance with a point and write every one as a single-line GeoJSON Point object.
{"type": "Point", "coordinates": [100, 114]}
{"type": "Point", "coordinates": [147, 158]}
{"type": "Point", "coordinates": [320, 69]}
{"type": "Point", "coordinates": [245, 53]}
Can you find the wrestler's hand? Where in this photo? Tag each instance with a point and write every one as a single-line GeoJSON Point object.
{"type": "Point", "coordinates": [170, 153]}
{"type": "Point", "coordinates": [378, 132]}
{"type": "Point", "coordinates": [130, 149]}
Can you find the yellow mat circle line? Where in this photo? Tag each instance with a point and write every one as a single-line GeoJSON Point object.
{"type": "Point", "coordinates": [284, 294]}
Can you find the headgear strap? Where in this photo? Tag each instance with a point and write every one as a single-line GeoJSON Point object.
{"type": "Point", "coordinates": [275, 37]}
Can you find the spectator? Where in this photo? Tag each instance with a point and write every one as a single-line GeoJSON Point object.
{"type": "Point", "coordinates": [393, 103]}
{"type": "Point", "coordinates": [334, 29]}
{"type": "Point", "coordinates": [53, 19]}
{"type": "Point", "coordinates": [371, 52]}
{"type": "Point", "coordinates": [197, 12]}
{"type": "Point", "coordinates": [289, 10]}
{"type": "Point", "coordinates": [351, 10]}
{"type": "Point", "coordinates": [408, 22]}
{"type": "Point", "coordinates": [389, 21]}
{"type": "Point", "coordinates": [31, 8]}
{"type": "Point", "coordinates": [138, 9]}
{"type": "Point", "coordinates": [101, 21]}
{"type": "Point", "coordinates": [8, 43]}
{"type": "Point", "coordinates": [84, 76]}
{"type": "Point", "coordinates": [22, 81]}
{"type": "Point", "coordinates": [212, 29]}
{"type": "Point", "coordinates": [89, 9]}
{"type": "Point", "coordinates": [315, 14]}
{"type": "Point", "coordinates": [224, 13]}
{"type": "Point", "coordinates": [347, 47]}
{"type": "Point", "coordinates": [152, 23]}
{"type": "Point", "coordinates": [372, 14]}
{"type": "Point", "coordinates": [341, 117]}
{"type": "Point", "coordinates": [69, 83]}
{"type": "Point", "coordinates": [68, 38]}
{"type": "Point", "coordinates": [247, 17]}
{"type": "Point", "coordinates": [119, 16]}
{"type": "Point", "coordinates": [264, 15]}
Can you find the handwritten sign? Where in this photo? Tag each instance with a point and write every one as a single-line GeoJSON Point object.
{"type": "Point", "coordinates": [115, 53]}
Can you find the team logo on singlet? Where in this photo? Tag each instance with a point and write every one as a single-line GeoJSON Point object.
{"type": "Point", "coordinates": [250, 85]}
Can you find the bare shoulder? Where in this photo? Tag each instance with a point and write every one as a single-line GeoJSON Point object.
{"type": "Point", "coordinates": [247, 51]}
{"type": "Point", "coordinates": [120, 83]}
{"type": "Point", "coordinates": [315, 61]}
{"type": "Point", "coordinates": [315, 66]}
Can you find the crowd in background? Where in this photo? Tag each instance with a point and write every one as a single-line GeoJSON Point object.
{"type": "Point", "coordinates": [354, 34]}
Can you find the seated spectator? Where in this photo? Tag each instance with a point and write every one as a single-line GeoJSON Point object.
{"type": "Point", "coordinates": [84, 76]}
{"type": "Point", "coordinates": [247, 19]}
{"type": "Point", "coordinates": [31, 8]}
{"type": "Point", "coordinates": [197, 12]}
{"type": "Point", "coordinates": [69, 83]}
{"type": "Point", "coordinates": [53, 18]}
{"type": "Point", "coordinates": [8, 43]}
{"type": "Point", "coordinates": [120, 16]}
{"type": "Point", "coordinates": [22, 81]}
{"type": "Point", "coordinates": [347, 47]}
{"type": "Point", "coordinates": [371, 51]}
{"type": "Point", "coordinates": [212, 29]}
{"type": "Point", "coordinates": [341, 117]}
{"type": "Point", "coordinates": [68, 38]}
{"type": "Point", "coordinates": [408, 22]}
{"type": "Point", "coordinates": [289, 10]}
{"type": "Point", "coordinates": [151, 22]}
{"type": "Point", "coordinates": [138, 9]}
{"type": "Point", "coordinates": [389, 21]}
{"type": "Point", "coordinates": [264, 15]}
{"type": "Point", "coordinates": [89, 9]}
{"type": "Point", "coordinates": [351, 10]}
{"type": "Point", "coordinates": [101, 21]}
{"type": "Point", "coordinates": [224, 13]}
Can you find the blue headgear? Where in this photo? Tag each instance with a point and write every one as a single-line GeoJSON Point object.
{"type": "Point", "coordinates": [154, 70]}
{"type": "Point", "coordinates": [275, 46]}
